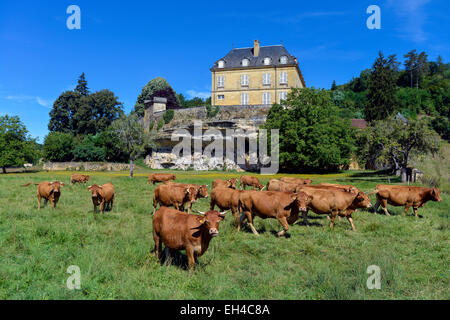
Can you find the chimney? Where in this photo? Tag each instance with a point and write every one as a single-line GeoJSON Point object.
{"type": "Point", "coordinates": [256, 48]}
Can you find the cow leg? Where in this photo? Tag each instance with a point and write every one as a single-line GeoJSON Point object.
{"type": "Point", "coordinates": [237, 219]}
{"type": "Point", "coordinates": [350, 219]}
{"type": "Point", "coordinates": [39, 201]}
{"type": "Point", "coordinates": [190, 256]}
{"type": "Point", "coordinates": [102, 204]}
{"type": "Point", "coordinates": [384, 206]}
{"type": "Point", "coordinates": [377, 204]}
{"type": "Point", "coordinates": [111, 204]}
{"type": "Point", "coordinates": [333, 217]}
{"type": "Point", "coordinates": [95, 208]}
{"type": "Point", "coordinates": [305, 217]}
{"type": "Point", "coordinates": [285, 225]}
{"type": "Point", "coordinates": [415, 212]}
{"type": "Point", "coordinates": [189, 207]}
{"type": "Point", "coordinates": [406, 210]}
{"type": "Point", "coordinates": [249, 216]}
{"type": "Point", "coordinates": [212, 205]}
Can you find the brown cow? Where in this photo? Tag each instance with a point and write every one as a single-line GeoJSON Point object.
{"type": "Point", "coordinates": [250, 181]}
{"type": "Point", "coordinates": [102, 195]}
{"type": "Point", "coordinates": [181, 231]}
{"type": "Point", "coordinates": [80, 178]}
{"type": "Point", "coordinates": [335, 202]}
{"type": "Point", "coordinates": [50, 191]}
{"type": "Point", "coordinates": [230, 183]}
{"type": "Point", "coordinates": [295, 180]}
{"type": "Point", "coordinates": [408, 196]}
{"type": "Point", "coordinates": [168, 195]}
{"type": "Point", "coordinates": [226, 199]}
{"type": "Point", "coordinates": [200, 191]}
{"type": "Point", "coordinates": [160, 177]}
{"type": "Point", "coordinates": [277, 185]}
{"type": "Point", "coordinates": [346, 187]}
{"type": "Point", "coordinates": [283, 206]}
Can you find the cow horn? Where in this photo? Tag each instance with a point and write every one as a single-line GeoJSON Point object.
{"type": "Point", "coordinates": [263, 188]}
{"type": "Point", "coordinates": [223, 213]}
{"type": "Point", "coordinates": [201, 212]}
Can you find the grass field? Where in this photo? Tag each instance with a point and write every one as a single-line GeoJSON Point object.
{"type": "Point", "coordinates": [113, 250]}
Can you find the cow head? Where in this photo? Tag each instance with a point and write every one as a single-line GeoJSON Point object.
{"type": "Point", "coordinates": [436, 195]}
{"type": "Point", "coordinates": [191, 194]}
{"type": "Point", "coordinates": [87, 178]}
{"type": "Point", "coordinates": [232, 183]}
{"type": "Point", "coordinates": [174, 177]}
{"type": "Point", "coordinates": [362, 200]}
{"type": "Point", "coordinates": [202, 192]}
{"type": "Point", "coordinates": [261, 187]}
{"type": "Point", "coordinates": [56, 187]}
{"type": "Point", "coordinates": [307, 181]}
{"type": "Point", "coordinates": [210, 220]}
{"type": "Point", "coordinates": [302, 200]}
{"type": "Point", "coordinates": [96, 191]}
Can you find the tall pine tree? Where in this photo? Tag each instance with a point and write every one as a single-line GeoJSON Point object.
{"type": "Point", "coordinates": [381, 96]}
{"type": "Point", "coordinates": [82, 87]}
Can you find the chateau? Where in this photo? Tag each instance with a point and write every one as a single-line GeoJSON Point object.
{"type": "Point", "coordinates": [259, 75]}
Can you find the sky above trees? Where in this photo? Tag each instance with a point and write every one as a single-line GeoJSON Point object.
{"type": "Point", "coordinates": [122, 46]}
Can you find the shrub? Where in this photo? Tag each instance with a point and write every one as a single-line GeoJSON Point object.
{"type": "Point", "coordinates": [168, 116]}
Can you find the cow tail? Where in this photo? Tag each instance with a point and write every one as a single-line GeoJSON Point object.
{"type": "Point", "coordinates": [374, 192]}
{"type": "Point", "coordinates": [28, 184]}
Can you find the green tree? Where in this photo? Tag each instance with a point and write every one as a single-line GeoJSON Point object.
{"type": "Point", "coordinates": [62, 113]}
{"type": "Point", "coordinates": [158, 87]}
{"type": "Point", "coordinates": [16, 146]}
{"type": "Point", "coordinates": [90, 149]}
{"type": "Point", "coordinates": [132, 138]}
{"type": "Point", "coordinates": [312, 135]}
{"type": "Point", "coordinates": [392, 142]}
{"type": "Point", "coordinates": [381, 96]}
{"type": "Point", "coordinates": [80, 113]}
{"type": "Point", "coordinates": [58, 146]}
{"type": "Point", "coordinates": [106, 108]}
{"type": "Point", "coordinates": [82, 87]}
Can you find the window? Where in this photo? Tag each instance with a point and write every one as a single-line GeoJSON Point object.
{"type": "Point", "coordinates": [283, 78]}
{"type": "Point", "coordinates": [245, 62]}
{"type": "Point", "coordinates": [220, 81]}
{"type": "Point", "coordinates": [266, 98]}
{"type": "Point", "coordinates": [283, 96]}
{"type": "Point", "coordinates": [267, 61]}
{"type": "Point", "coordinates": [266, 78]}
{"type": "Point", "coordinates": [283, 60]}
{"type": "Point", "coordinates": [220, 97]}
{"type": "Point", "coordinates": [244, 80]}
{"type": "Point", "coordinates": [221, 64]}
{"type": "Point", "coordinates": [244, 99]}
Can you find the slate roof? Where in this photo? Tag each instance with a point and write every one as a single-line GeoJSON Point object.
{"type": "Point", "coordinates": [234, 58]}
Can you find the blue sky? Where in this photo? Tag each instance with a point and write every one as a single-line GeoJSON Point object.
{"type": "Point", "coordinates": [122, 45]}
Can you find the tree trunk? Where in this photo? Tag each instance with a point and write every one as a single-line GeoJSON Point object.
{"type": "Point", "coordinates": [4, 169]}
{"type": "Point", "coordinates": [131, 169]}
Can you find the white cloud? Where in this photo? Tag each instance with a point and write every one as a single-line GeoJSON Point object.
{"type": "Point", "coordinates": [200, 94]}
{"type": "Point", "coordinates": [24, 98]}
{"type": "Point", "coordinates": [412, 17]}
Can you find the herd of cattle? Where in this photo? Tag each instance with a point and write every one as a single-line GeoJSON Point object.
{"type": "Point", "coordinates": [283, 200]}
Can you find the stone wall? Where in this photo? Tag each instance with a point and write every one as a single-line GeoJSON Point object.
{"type": "Point", "coordinates": [85, 166]}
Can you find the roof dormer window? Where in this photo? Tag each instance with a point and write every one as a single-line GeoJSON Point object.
{"type": "Point", "coordinates": [245, 62]}
{"type": "Point", "coordinates": [283, 60]}
{"type": "Point", "coordinates": [221, 64]}
{"type": "Point", "coordinates": [267, 61]}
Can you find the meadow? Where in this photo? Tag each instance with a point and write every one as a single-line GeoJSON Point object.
{"type": "Point", "coordinates": [114, 249]}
